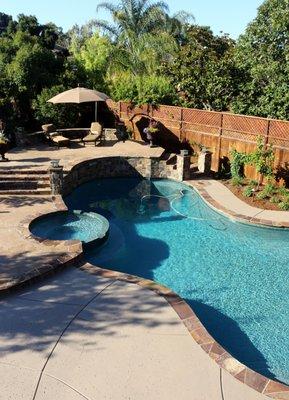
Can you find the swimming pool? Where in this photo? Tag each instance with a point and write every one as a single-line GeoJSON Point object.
{"type": "Point", "coordinates": [234, 276]}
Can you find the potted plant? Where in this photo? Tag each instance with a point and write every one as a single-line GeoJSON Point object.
{"type": "Point", "coordinates": [4, 144]}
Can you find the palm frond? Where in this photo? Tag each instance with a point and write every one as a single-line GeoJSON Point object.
{"type": "Point", "coordinates": [106, 27]}
{"type": "Point", "coordinates": [107, 6]}
{"type": "Point", "coordinates": [184, 17]}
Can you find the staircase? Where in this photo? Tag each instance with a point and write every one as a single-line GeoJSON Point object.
{"type": "Point", "coordinates": [24, 182]}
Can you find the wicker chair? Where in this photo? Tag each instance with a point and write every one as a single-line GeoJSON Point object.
{"type": "Point", "coordinates": [95, 134]}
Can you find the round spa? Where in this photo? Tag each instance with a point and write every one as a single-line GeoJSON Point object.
{"type": "Point", "coordinates": [88, 227]}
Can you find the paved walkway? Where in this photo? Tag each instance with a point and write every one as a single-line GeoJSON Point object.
{"type": "Point", "coordinates": [223, 196]}
{"type": "Point", "coordinates": [79, 336]}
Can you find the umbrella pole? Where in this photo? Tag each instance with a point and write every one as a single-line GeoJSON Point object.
{"type": "Point", "coordinates": [95, 115]}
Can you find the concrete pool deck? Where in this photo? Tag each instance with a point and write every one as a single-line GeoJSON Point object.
{"type": "Point", "coordinates": [79, 336]}
{"type": "Point", "coordinates": [83, 336]}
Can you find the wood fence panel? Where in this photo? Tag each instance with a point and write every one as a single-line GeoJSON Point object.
{"type": "Point", "coordinates": [220, 132]}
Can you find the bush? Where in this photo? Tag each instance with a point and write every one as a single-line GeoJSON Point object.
{"type": "Point", "coordinates": [284, 205]}
{"type": "Point", "coordinates": [141, 90]}
{"type": "Point", "coordinates": [283, 191]}
{"type": "Point", "coordinates": [274, 200]}
{"type": "Point", "coordinates": [237, 181]}
{"type": "Point", "coordinates": [262, 195]}
{"type": "Point", "coordinates": [267, 192]}
{"type": "Point", "coordinates": [61, 115]}
{"type": "Point", "coordinates": [253, 183]}
{"type": "Point", "coordinates": [248, 191]}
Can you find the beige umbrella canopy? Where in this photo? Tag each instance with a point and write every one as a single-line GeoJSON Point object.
{"type": "Point", "coordinates": [79, 95]}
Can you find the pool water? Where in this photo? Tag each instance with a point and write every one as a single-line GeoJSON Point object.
{"type": "Point", "coordinates": [75, 225]}
{"type": "Point", "coordinates": [234, 276]}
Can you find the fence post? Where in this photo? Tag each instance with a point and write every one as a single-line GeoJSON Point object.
{"type": "Point", "coordinates": [220, 142]}
{"type": "Point", "coordinates": [181, 125]}
{"type": "Point", "coordinates": [119, 109]}
{"type": "Point", "coordinates": [267, 133]}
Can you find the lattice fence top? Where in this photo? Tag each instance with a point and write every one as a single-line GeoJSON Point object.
{"type": "Point", "coordinates": [279, 129]}
{"type": "Point", "coordinates": [202, 117]}
{"type": "Point", "coordinates": [245, 124]}
{"type": "Point", "coordinates": [240, 127]}
{"type": "Point", "coordinates": [167, 113]}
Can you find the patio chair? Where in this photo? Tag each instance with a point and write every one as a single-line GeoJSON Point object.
{"type": "Point", "coordinates": [95, 134]}
{"type": "Point", "coordinates": [55, 137]}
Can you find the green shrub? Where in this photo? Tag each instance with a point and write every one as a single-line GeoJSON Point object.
{"type": "Point", "coordinates": [284, 205]}
{"type": "Point", "coordinates": [61, 115]}
{"type": "Point", "coordinates": [262, 195]}
{"type": "Point", "coordinates": [274, 200]}
{"type": "Point", "coordinates": [283, 191]}
{"type": "Point", "coordinates": [270, 188]}
{"type": "Point", "coordinates": [237, 181]}
{"type": "Point", "coordinates": [253, 183]}
{"type": "Point", "coordinates": [248, 191]}
{"type": "Point", "coordinates": [267, 191]}
{"type": "Point", "coordinates": [142, 89]}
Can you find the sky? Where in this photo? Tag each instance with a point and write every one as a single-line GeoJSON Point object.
{"type": "Point", "coordinates": [228, 16]}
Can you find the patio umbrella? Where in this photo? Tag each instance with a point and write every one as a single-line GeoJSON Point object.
{"type": "Point", "coordinates": [79, 95]}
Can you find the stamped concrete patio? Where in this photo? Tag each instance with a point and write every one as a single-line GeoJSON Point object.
{"type": "Point", "coordinates": [81, 336]}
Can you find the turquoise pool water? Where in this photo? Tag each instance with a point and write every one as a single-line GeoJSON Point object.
{"type": "Point", "coordinates": [70, 226]}
{"type": "Point", "coordinates": [234, 276]}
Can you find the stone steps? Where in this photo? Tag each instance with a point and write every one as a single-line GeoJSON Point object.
{"type": "Point", "coordinates": [22, 192]}
{"type": "Point", "coordinates": [17, 171]}
{"type": "Point", "coordinates": [8, 178]}
{"type": "Point", "coordinates": [24, 182]}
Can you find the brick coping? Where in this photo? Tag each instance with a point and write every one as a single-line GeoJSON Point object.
{"type": "Point", "coordinates": [74, 257]}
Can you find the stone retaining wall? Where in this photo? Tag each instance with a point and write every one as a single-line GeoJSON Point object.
{"type": "Point", "coordinates": [113, 167]}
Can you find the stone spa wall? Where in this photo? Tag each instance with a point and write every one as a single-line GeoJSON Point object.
{"type": "Point", "coordinates": [109, 167]}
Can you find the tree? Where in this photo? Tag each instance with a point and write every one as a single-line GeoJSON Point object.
{"type": "Point", "coordinates": [93, 56]}
{"type": "Point", "coordinates": [142, 89]}
{"type": "Point", "coordinates": [262, 55]}
{"type": "Point", "coordinates": [132, 18]}
{"type": "Point", "coordinates": [177, 25]}
{"type": "Point", "coordinates": [5, 20]}
{"type": "Point", "coordinates": [61, 115]}
{"type": "Point", "coordinates": [203, 71]}
{"type": "Point", "coordinates": [27, 65]}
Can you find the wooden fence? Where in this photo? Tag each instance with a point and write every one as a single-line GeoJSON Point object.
{"type": "Point", "coordinates": [218, 131]}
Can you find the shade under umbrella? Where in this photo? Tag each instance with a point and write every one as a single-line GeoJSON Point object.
{"type": "Point", "coordinates": [79, 95]}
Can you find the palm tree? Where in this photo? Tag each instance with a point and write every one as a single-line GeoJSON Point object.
{"type": "Point", "coordinates": [178, 24]}
{"type": "Point", "coordinates": [133, 18]}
